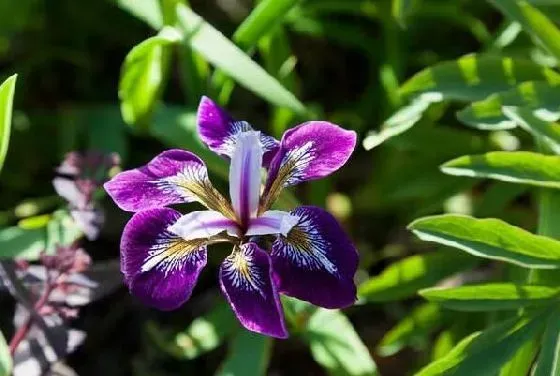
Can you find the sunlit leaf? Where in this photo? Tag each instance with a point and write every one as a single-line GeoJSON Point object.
{"type": "Point", "coordinates": [5, 357]}
{"type": "Point", "coordinates": [143, 75]}
{"type": "Point", "coordinates": [422, 321]}
{"type": "Point", "coordinates": [533, 21]}
{"type": "Point", "coordinates": [405, 277]}
{"type": "Point", "coordinates": [490, 238]}
{"type": "Point", "coordinates": [515, 167]}
{"type": "Point", "coordinates": [539, 96]}
{"type": "Point", "coordinates": [266, 15]}
{"type": "Point", "coordinates": [545, 130]}
{"type": "Point", "coordinates": [336, 346]}
{"type": "Point", "coordinates": [483, 354]}
{"type": "Point", "coordinates": [470, 78]}
{"type": "Point", "coordinates": [222, 53]}
{"type": "Point", "coordinates": [248, 355]}
{"type": "Point", "coordinates": [7, 90]}
{"type": "Point", "coordinates": [548, 362]}
{"type": "Point", "coordinates": [492, 296]}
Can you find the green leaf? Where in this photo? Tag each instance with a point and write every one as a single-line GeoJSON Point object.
{"type": "Point", "coordinates": [142, 77]}
{"type": "Point", "coordinates": [548, 362]}
{"type": "Point", "coordinates": [533, 21]}
{"type": "Point", "coordinates": [515, 167]}
{"type": "Point", "coordinates": [417, 326]}
{"type": "Point", "coordinates": [483, 354]}
{"type": "Point", "coordinates": [490, 238]}
{"type": "Point", "coordinates": [266, 15]}
{"type": "Point", "coordinates": [489, 297]}
{"type": "Point", "coordinates": [487, 114]}
{"type": "Point", "coordinates": [402, 9]}
{"type": "Point", "coordinates": [16, 242]}
{"type": "Point", "coordinates": [222, 53]}
{"type": "Point", "coordinates": [336, 346]}
{"type": "Point", "coordinates": [249, 354]}
{"type": "Point", "coordinates": [205, 333]}
{"type": "Point", "coordinates": [148, 11]}
{"type": "Point", "coordinates": [404, 278]}
{"type": "Point", "coordinates": [7, 90]}
{"type": "Point", "coordinates": [547, 131]}
{"type": "Point", "coordinates": [5, 357]}
{"type": "Point", "coordinates": [470, 78]}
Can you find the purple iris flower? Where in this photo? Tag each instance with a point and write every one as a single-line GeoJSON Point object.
{"type": "Point", "coordinates": [163, 251]}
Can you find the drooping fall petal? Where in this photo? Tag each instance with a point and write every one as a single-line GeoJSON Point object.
{"type": "Point", "coordinates": [246, 281]}
{"type": "Point", "coordinates": [316, 262]}
{"type": "Point", "coordinates": [160, 268]}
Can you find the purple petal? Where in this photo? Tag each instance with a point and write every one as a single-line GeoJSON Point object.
{"type": "Point", "coordinates": [203, 224]}
{"type": "Point", "coordinates": [245, 176]}
{"type": "Point", "coordinates": [160, 268]}
{"type": "Point", "coordinates": [219, 131]}
{"type": "Point", "coordinates": [246, 281]}
{"type": "Point", "coordinates": [173, 177]}
{"type": "Point", "coordinates": [272, 222]}
{"type": "Point", "coordinates": [310, 151]}
{"type": "Point", "coordinates": [316, 262]}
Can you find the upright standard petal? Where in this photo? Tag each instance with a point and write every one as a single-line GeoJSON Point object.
{"type": "Point", "coordinates": [245, 176]}
{"type": "Point", "coordinates": [219, 131]}
{"type": "Point", "coordinates": [310, 151]}
{"type": "Point", "coordinates": [203, 224]}
{"type": "Point", "coordinates": [246, 281]}
{"type": "Point", "coordinates": [160, 268]}
{"type": "Point", "coordinates": [174, 176]}
{"type": "Point", "coordinates": [272, 222]}
{"type": "Point", "coordinates": [316, 262]}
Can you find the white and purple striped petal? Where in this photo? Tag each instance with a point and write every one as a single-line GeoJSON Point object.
{"type": "Point", "coordinates": [174, 176]}
{"type": "Point", "coordinates": [272, 222]}
{"type": "Point", "coordinates": [203, 224]}
{"type": "Point", "coordinates": [309, 151]}
{"type": "Point", "coordinates": [219, 131]}
{"type": "Point", "coordinates": [316, 262]}
{"type": "Point", "coordinates": [160, 268]}
{"type": "Point", "coordinates": [246, 281]}
{"type": "Point", "coordinates": [245, 176]}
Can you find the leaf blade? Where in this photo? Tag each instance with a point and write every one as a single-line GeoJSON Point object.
{"type": "Point", "coordinates": [490, 238]}
{"type": "Point", "coordinates": [489, 297]}
{"type": "Point", "coordinates": [7, 90]}
{"type": "Point", "coordinates": [221, 52]}
{"type": "Point", "coordinates": [515, 167]}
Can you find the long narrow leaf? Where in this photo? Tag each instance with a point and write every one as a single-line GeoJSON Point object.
{"type": "Point", "coordinates": [6, 105]}
{"type": "Point", "coordinates": [483, 354]}
{"type": "Point", "coordinates": [222, 53]}
{"type": "Point", "coordinates": [470, 78]}
{"type": "Point", "coordinates": [249, 354]}
{"type": "Point", "coordinates": [5, 357]}
{"type": "Point", "coordinates": [515, 167]}
{"type": "Point", "coordinates": [490, 238]}
{"type": "Point", "coordinates": [492, 296]}
{"type": "Point", "coordinates": [533, 21]}
{"type": "Point", "coordinates": [548, 362]}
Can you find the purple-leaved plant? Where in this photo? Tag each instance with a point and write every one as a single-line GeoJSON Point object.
{"type": "Point", "coordinates": [163, 252]}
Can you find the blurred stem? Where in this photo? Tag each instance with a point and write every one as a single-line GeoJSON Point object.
{"type": "Point", "coordinates": [22, 331]}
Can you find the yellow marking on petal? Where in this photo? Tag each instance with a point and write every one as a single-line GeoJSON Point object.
{"type": "Point", "coordinates": [277, 185]}
{"type": "Point", "coordinates": [206, 194]}
{"type": "Point", "coordinates": [169, 253]}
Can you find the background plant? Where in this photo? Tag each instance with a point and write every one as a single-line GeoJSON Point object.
{"type": "Point", "coordinates": [276, 63]}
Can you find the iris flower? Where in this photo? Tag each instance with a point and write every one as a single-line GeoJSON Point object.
{"type": "Point", "coordinates": [163, 251]}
